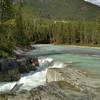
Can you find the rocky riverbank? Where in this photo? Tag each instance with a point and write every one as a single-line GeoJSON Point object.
{"type": "Point", "coordinates": [11, 69]}
{"type": "Point", "coordinates": [62, 84]}
{"type": "Point", "coordinates": [54, 80]}
{"type": "Point", "coordinates": [76, 78]}
{"type": "Point", "coordinates": [52, 91]}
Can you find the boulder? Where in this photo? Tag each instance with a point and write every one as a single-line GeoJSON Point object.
{"type": "Point", "coordinates": [27, 65]}
{"type": "Point", "coordinates": [23, 65]}
{"type": "Point", "coordinates": [76, 78]}
{"type": "Point", "coordinates": [34, 63]}
{"type": "Point", "coordinates": [62, 84]}
{"type": "Point", "coordinates": [9, 71]}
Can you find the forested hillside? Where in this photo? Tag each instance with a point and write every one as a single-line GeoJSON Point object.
{"type": "Point", "coordinates": [22, 23]}
{"type": "Point", "coordinates": [11, 27]}
{"type": "Point", "coordinates": [62, 9]}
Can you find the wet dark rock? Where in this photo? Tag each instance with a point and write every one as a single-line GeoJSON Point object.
{"type": "Point", "coordinates": [11, 69]}
{"type": "Point", "coordinates": [62, 84]}
{"type": "Point", "coordinates": [27, 65]}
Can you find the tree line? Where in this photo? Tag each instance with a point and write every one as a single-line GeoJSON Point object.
{"type": "Point", "coordinates": [16, 29]}
{"type": "Point", "coordinates": [11, 26]}
{"type": "Point", "coordinates": [63, 32]}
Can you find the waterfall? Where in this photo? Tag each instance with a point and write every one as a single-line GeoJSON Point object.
{"type": "Point", "coordinates": [56, 57]}
{"type": "Point", "coordinates": [32, 79]}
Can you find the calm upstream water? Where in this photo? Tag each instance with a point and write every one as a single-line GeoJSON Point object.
{"type": "Point", "coordinates": [83, 58]}
{"type": "Point", "coordinates": [87, 59]}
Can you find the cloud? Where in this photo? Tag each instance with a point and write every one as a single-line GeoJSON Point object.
{"type": "Point", "coordinates": [96, 2]}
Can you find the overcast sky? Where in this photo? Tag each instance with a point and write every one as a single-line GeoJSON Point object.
{"type": "Point", "coordinates": [97, 2]}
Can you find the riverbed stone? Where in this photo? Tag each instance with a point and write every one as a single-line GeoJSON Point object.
{"type": "Point", "coordinates": [76, 78]}
{"type": "Point", "coordinates": [51, 91]}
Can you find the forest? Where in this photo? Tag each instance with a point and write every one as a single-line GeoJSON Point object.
{"type": "Point", "coordinates": [16, 29]}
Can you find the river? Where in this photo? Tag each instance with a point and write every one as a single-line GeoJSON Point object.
{"type": "Point", "coordinates": [84, 58]}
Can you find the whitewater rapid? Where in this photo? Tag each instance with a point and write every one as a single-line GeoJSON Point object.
{"type": "Point", "coordinates": [33, 79]}
{"type": "Point", "coordinates": [53, 56]}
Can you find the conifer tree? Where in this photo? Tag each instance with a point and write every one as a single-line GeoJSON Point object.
{"type": "Point", "coordinates": [6, 10]}
{"type": "Point", "coordinates": [20, 35]}
{"type": "Point", "coordinates": [6, 13]}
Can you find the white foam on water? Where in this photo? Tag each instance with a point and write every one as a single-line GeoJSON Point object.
{"type": "Point", "coordinates": [57, 65]}
{"type": "Point", "coordinates": [33, 79]}
{"type": "Point", "coordinates": [7, 86]}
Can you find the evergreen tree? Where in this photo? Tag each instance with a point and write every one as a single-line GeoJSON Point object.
{"type": "Point", "coordinates": [6, 10]}
{"type": "Point", "coordinates": [20, 36]}
{"type": "Point", "coordinates": [98, 24]}
{"type": "Point", "coordinates": [98, 30]}
{"type": "Point", "coordinates": [6, 14]}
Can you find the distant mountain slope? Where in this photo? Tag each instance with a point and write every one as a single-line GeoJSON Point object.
{"type": "Point", "coordinates": [63, 9]}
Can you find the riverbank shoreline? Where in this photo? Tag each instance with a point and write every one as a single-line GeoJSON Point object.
{"type": "Point", "coordinates": [81, 46]}
{"type": "Point", "coordinates": [68, 45]}
{"type": "Point", "coordinates": [72, 75]}
{"type": "Point", "coordinates": [65, 83]}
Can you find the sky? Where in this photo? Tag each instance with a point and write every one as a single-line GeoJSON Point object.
{"type": "Point", "coordinates": [97, 2]}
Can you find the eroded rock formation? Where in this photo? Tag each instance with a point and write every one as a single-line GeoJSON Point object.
{"type": "Point", "coordinates": [51, 91]}
{"type": "Point", "coordinates": [76, 78]}
{"type": "Point", "coordinates": [62, 84]}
